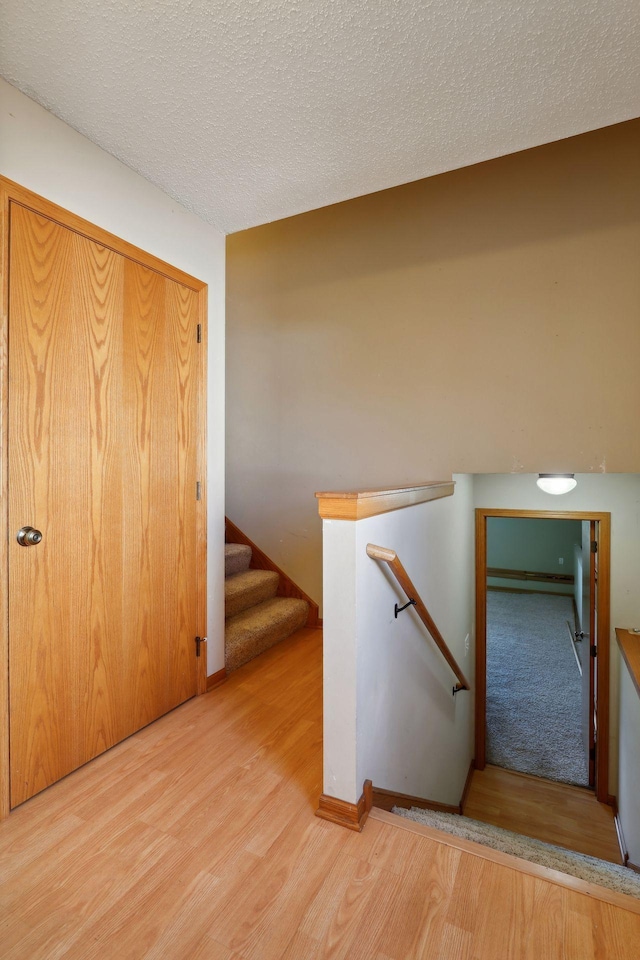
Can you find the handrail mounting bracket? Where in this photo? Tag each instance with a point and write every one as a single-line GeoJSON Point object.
{"type": "Point", "coordinates": [397, 609]}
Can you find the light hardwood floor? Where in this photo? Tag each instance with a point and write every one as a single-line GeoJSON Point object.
{"type": "Point", "coordinates": [196, 839]}
{"type": "Point", "coordinates": [554, 812]}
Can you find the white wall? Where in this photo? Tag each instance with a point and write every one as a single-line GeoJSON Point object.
{"type": "Point", "coordinates": [45, 155]}
{"type": "Point", "coordinates": [618, 494]}
{"type": "Point", "coordinates": [339, 677]}
{"type": "Point", "coordinates": [399, 726]}
{"type": "Point", "coordinates": [629, 786]}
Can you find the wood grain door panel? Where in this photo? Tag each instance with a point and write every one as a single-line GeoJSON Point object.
{"type": "Point", "coordinates": [103, 382]}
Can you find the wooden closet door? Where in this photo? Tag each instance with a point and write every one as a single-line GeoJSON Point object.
{"type": "Point", "coordinates": [102, 460]}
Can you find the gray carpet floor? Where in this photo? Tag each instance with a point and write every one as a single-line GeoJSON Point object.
{"type": "Point", "coordinates": [610, 875]}
{"type": "Point", "coordinates": [533, 688]}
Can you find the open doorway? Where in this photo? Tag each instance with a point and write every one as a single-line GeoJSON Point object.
{"type": "Point", "coordinates": [542, 697]}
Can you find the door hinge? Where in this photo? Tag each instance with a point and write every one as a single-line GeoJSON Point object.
{"type": "Point", "coordinates": [592, 753]}
{"type": "Point", "coordinates": [198, 645]}
{"type": "Point", "coordinates": [198, 490]}
{"type": "Point", "coordinates": [594, 651]}
{"type": "Point", "coordinates": [594, 546]}
{"type": "Point", "coordinates": [199, 333]}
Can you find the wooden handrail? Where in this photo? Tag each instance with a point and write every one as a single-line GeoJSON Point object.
{"type": "Point", "coordinates": [391, 557]}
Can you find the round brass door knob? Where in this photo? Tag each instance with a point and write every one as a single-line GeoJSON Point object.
{"type": "Point", "coordinates": [28, 537]}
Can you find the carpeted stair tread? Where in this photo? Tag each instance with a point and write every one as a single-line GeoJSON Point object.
{"type": "Point", "coordinates": [611, 875]}
{"type": "Point", "coordinates": [246, 589]}
{"type": "Point", "coordinates": [237, 558]}
{"type": "Point", "coordinates": [255, 630]}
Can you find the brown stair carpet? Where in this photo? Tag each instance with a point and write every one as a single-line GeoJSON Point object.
{"type": "Point", "coordinates": [246, 589]}
{"type": "Point", "coordinates": [256, 618]}
{"type": "Point", "coordinates": [255, 630]}
{"type": "Point", "coordinates": [237, 558]}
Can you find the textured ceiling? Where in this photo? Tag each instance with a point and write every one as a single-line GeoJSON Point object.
{"type": "Point", "coordinates": [247, 111]}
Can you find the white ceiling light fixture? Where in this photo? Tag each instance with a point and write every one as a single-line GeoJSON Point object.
{"type": "Point", "coordinates": [556, 483]}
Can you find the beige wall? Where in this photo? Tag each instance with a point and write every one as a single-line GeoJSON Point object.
{"type": "Point", "coordinates": [486, 320]}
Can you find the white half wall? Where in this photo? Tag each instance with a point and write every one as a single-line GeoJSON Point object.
{"type": "Point", "coordinates": [616, 493]}
{"type": "Point", "coordinates": [339, 673]}
{"type": "Point", "coordinates": [45, 155]}
{"type": "Point", "coordinates": [399, 725]}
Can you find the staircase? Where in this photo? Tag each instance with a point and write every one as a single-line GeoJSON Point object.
{"type": "Point", "coordinates": [256, 619]}
{"type": "Point", "coordinates": [611, 875]}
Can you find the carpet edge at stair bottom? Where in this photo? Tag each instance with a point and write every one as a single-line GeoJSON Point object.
{"type": "Point", "coordinates": [253, 631]}
{"type": "Point", "coordinates": [613, 876]}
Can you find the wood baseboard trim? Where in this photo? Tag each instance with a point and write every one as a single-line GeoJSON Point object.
{"type": "Point", "coordinates": [350, 815]}
{"type": "Point", "coordinates": [612, 801]}
{"type": "Point", "coordinates": [260, 561]}
{"type": "Point", "coordinates": [622, 846]}
{"type": "Point", "coordinates": [216, 679]}
{"type": "Point", "coordinates": [545, 593]}
{"type": "Point", "coordinates": [386, 799]}
{"type": "Point", "coordinates": [622, 900]}
{"type": "Point", "coordinates": [467, 787]}
{"type": "Point", "coordinates": [632, 866]}
{"type": "Point", "coordinates": [531, 576]}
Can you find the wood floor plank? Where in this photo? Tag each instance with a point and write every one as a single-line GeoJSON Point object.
{"type": "Point", "coordinates": [324, 906]}
{"type": "Point", "coordinates": [300, 791]}
{"type": "Point", "coordinates": [578, 936]}
{"type": "Point", "coordinates": [111, 927]}
{"type": "Point", "coordinates": [465, 908]}
{"type": "Point", "coordinates": [615, 933]}
{"type": "Point", "coordinates": [115, 867]}
{"type": "Point", "coordinates": [264, 915]}
{"type": "Point", "coordinates": [39, 883]}
{"type": "Point", "coordinates": [196, 840]}
{"type": "Point", "coordinates": [20, 851]}
{"type": "Point", "coordinates": [357, 925]}
{"type": "Point", "coordinates": [556, 813]}
{"type": "Point", "coordinates": [426, 886]}
{"type": "Point", "coordinates": [393, 853]}
{"type": "Point", "coordinates": [168, 921]}
{"type": "Point", "coordinates": [302, 946]}
{"type": "Point", "coordinates": [455, 942]}
{"type": "Point", "coordinates": [208, 949]}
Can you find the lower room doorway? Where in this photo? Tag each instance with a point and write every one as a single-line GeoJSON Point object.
{"type": "Point", "coordinates": [542, 644]}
